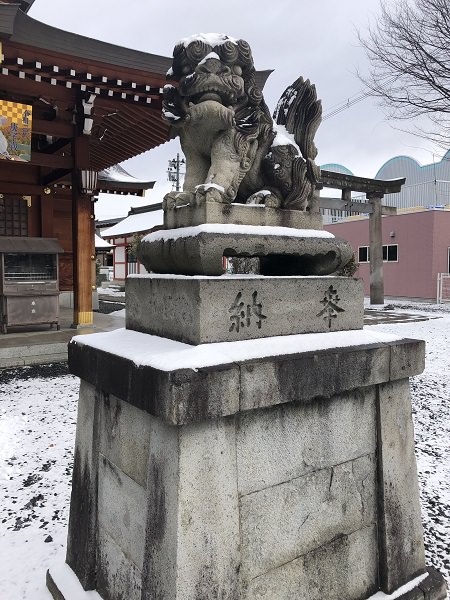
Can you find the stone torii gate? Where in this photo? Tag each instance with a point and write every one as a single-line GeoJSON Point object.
{"type": "Point", "coordinates": [375, 189]}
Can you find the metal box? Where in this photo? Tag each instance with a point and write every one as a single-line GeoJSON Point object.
{"type": "Point", "coordinates": [29, 285]}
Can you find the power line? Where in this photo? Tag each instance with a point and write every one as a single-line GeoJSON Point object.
{"type": "Point", "coordinates": [344, 106]}
{"type": "Point", "coordinates": [351, 101]}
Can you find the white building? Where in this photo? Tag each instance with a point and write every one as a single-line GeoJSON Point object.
{"type": "Point", "coordinates": [123, 235]}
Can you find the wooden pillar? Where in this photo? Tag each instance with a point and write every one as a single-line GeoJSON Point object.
{"type": "Point", "coordinates": [82, 239]}
{"type": "Point", "coordinates": [376, 249]}
{"type": "Point", "coordinates": [47, 219]}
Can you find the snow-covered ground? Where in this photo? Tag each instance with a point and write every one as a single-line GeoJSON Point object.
{"type": "Point", "coordinates": [37, 428]}
{"type": "Point", "coordinates": [115, 291]}
{"type": "Point", "coordinates": [431, 413]}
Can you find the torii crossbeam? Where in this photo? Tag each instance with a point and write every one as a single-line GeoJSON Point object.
{"type": "Point", "coordinates": [375, 189]}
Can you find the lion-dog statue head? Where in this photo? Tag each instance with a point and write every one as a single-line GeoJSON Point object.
{"type": "Point", "coordinates": [224, 125]}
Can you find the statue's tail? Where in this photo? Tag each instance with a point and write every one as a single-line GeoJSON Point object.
{"type": "Point", "coordinates": [300, 112]}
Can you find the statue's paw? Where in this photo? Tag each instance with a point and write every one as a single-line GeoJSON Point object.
{"type": "Point", "coordinates": [210, 192]}
{"type": "Point", "coordinates": [272, 201]}
{"type": "Point", "coordinates": [175, 199]}
{"type": "Point", "coordinates": [266, 197]}
{"type": "Point", "coordinates": [184, 198]}
{"type": "Point", "coordinates": [258, 197]}
{"type": "Point", "coordinates": [215, 195]}
{"type": "Point", "coordinates": [168, 202]}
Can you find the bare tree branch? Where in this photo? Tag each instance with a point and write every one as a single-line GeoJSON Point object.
{"type": "Point", "coordinates": [409, 55]}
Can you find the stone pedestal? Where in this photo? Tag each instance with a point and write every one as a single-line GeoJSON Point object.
{"type": "Point", "coordinates": [199, 310]}
{"type": "Point", "coordinates": [277, 478]}
{"type": "Point", "coordinates": [241, 214]}
{"type": "Point", "coordinates": [281, 250]}
{"type": "Point", "coordinates": [244, 438]}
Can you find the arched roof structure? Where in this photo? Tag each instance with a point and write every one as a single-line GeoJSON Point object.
{"type": "Point", "coordinates": [426, 185]}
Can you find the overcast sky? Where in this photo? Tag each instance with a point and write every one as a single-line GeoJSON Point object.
{"type": "Point", "coordinates": [315, 39]}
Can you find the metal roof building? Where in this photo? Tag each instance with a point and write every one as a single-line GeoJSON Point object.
{"type": "Point", "coordinates": [426, 185]}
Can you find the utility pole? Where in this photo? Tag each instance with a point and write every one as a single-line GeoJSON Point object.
{"type": "Point", "coordinates": [173, 172]}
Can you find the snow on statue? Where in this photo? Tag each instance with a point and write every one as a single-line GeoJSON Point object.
{"type": "Point", "coordinates": [235, 151]}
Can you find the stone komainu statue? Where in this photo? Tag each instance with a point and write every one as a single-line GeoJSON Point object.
{"type": "Point", "coordinates": [235, 151]}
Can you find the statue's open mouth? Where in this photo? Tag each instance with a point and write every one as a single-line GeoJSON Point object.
{"type": "Point", "coordinates": [208, 96]}
{"type": "Point", "coordinates": [225, 98]}
{"type": "Point", "coordinates": [200, 87]}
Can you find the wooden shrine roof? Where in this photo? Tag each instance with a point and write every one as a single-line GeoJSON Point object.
{"type": "Point", "coordinates": [60, 72]}
{"type": "Point", "coordinates": [22, 29]}
{"type": "Point", "coordinates": [116, 180]}
{"type": "Point", "coordinates": [24, 5]}
{"type": "Point", "coordinates": [64, 75]}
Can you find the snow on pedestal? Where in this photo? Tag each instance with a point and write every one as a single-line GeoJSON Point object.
{"type": "Point", "coordinates": [255, 469]}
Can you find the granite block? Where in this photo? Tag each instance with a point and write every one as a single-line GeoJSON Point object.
{"type": "Point", "coordinates": [204, 310]}
{"type": "Point", "coordinates": [283, 522]}
{"type": "Point", "coordinates": [286, 442]}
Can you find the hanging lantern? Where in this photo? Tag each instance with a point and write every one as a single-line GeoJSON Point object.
{"type": "Point", "coordinates": [88, 181]}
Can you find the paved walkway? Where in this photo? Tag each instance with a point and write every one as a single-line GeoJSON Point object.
{"type": "Point", "coordinates": [41, 344]}
{"type": "Point", "coordinates": [373, 316]}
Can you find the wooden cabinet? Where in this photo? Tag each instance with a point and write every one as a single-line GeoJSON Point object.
{"type": "Point", "coordinates": [29, 283]}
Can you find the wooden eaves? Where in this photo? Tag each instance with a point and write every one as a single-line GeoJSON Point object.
{"type": "Point", "coordinates": [94, 105]}
{"type": "Point", "coordinates": [114, 92]}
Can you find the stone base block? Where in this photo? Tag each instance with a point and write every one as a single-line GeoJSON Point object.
{"type": "Point", "coordinates": [433, 587]}
{"type": "Point", "coordinates": [240, 214]}
{"type": "Point", "coordinates": [281, 251]}
{"type": "Point", "coordinates": [246, 481]}
{"type": "Point", "coordinates": [199, 310]}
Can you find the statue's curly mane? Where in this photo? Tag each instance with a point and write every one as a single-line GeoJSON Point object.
{"type": "Point", "coordinates": [226, 130]}
{"type": "Point", "coordinates": [235, 55]}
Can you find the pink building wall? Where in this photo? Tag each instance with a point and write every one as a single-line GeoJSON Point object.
{"type": "Point", "coordinates": [423, 239]}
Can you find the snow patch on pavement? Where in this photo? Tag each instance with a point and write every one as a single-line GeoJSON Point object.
{"type": "Point", "coordinates": [37, 433]}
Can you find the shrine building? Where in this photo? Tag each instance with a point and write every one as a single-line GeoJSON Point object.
{"type": "Point", "coordinates": [71, 107]}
